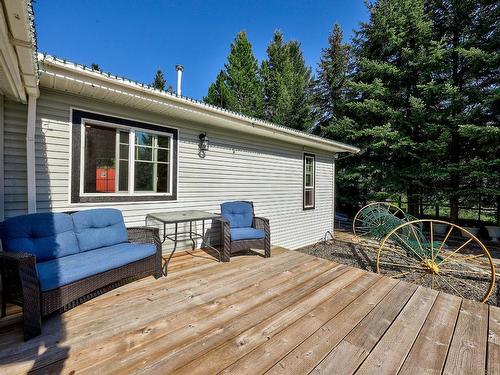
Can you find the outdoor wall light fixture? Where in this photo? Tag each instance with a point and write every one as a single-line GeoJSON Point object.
{"type": "Point", "coordinates": [203, 142]}
{"type": "Point", "coordinates": [203, 145]}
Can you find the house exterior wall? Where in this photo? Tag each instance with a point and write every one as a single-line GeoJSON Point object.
{"type": "Point", "coordinates": [236, 167]}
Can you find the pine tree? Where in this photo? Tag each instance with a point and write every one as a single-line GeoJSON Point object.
{"type": "Point", "coordinates": [159, 81]}
{"type": "Point", "coordinates": [238, 87]}
{"type": "Point", "coordinates": [332, 76]}
{"type": "Point", "coordinates": [287, 84]}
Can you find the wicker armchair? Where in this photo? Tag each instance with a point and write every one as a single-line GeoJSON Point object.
{"type": "Point", "coordinates": [247, 232]}
{"type": "Point", "coordinates": [21, 283]}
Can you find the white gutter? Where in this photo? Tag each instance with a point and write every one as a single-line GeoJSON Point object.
{"type": "Point", "coordinates": [73, 72]}
{"type": "Point", "coordinates": [30, 153]}
{"type": "Point", "coordinates": [21, 34]}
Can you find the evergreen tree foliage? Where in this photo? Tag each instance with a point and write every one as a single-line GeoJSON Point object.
{"type": "Point", "coordinates": [159, 81]}
{"type": "Point", "coordinates": [238, 87]}
{"type": "Point", "coordinates": [466, 99]}
{"type": "Point", "coordinates": [386, 106]}
{"type": "Point", "coordinates": [287, 84]}
{"type": "Point", "coordinates": [330, 85]}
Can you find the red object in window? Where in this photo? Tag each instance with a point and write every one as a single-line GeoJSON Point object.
{"type": "Point", "coordinates": [105, 180]}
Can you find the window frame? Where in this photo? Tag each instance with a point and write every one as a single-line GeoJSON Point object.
{"type": "Point", "coordinates": [305, 157]}
{"type": "Point", "coordinates": [80, 119]}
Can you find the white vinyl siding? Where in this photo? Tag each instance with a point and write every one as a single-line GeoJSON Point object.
{"type": "Point", "coordinates": [237, 166]}
{"type": "Point", "coordinates": [15, 174]}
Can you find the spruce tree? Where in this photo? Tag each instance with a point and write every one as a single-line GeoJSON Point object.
{"type": "Point", "coordinates": [159, 81]}
{"type": "Point", "coordinates": [466, 99]}
{"type": "Point", "coordinates": [330, 85]}
{"type": "Point", "coordinates": [287, 84]}
{"type": "Point", "coordinates": [238, 87]}
{"type": "Point", "coordinates": [386, 109]}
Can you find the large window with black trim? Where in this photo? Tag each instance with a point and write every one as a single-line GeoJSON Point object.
{"type": "Point", "coordinates": [309, 181]}
{"type": "Point", "coordinates": [122, 160]}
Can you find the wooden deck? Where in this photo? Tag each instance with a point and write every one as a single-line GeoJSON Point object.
{"type": "Point", "coordinates": [290, 314]}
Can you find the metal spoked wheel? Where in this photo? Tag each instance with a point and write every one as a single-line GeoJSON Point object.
{"type": "Point", "coordinates": [455, 262]}
{"type": "Point", "coordinates": [377, 219]}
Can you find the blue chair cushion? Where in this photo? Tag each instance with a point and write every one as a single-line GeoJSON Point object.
{"type": "Point", "coordinates": [246, 234]}
{"type": "Point", "coordinates": [99, 228]}
{"type": "Point", "coordinates": [239, 214]}
{"type": "Point", "coordinates": [45, 235]}
{"type": "Point", "coordinates": [63, 271]}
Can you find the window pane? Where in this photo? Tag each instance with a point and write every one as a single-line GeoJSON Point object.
{"type": "Point", "coordinates": [124, 152]}
{"type": "Point", "coordinates": [143, 153]}
{"type": "Point", "coordinates": [144, 173]}
{"type": "Point", "coordinates": [99, 159]}
{"type": "Point", "coordinates": [124, 137]}
{"type": "Point", "coordinates": [123, 180]}
{"type": "Point", "coordinates": [163, 178]}
{"type": "Point", "coordinates": [308, 180]}
{"type": "Point", "coordinates": [309, 198]}
{"type": "Point", "coordinates": [163, 141]}
{"type": "Point", "coordinates": [143, 139]}
{"type": "Point", "coordinates": [163, 155]}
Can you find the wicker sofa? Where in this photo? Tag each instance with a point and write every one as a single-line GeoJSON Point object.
{"type": "Point", "coordinates": [242, 230]}
{"type": "Point", "coordinates": [54, 261]}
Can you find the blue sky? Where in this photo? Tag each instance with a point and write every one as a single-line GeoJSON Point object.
{"type": "Point", "coordinates": [133, 38]}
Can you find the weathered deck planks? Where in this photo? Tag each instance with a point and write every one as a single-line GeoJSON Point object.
{"type": "Point", "coordinates": [290, 314]}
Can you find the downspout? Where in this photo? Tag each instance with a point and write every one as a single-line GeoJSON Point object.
{"type": "Point", "coordinates": [2, 175]}
{"type": "Point", "coordinates": [30, 153]}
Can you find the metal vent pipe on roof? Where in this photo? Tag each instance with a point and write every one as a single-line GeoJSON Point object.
{"type": "Point", "coordinates": [179, 69]}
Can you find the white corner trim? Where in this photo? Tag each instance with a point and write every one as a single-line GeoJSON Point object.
{"type": "Point", "coordinates": [30, 153]}
{"type": "Point", "coordinates": [334, 195]}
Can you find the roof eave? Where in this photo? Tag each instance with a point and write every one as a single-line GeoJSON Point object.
{"type": "Point", "coordinates": [61, 69]}
{"type": "Point", "coordinates": [18, 57]}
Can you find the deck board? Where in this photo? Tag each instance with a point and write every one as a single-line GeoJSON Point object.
{"type": "Point", "coordinates": [292, 313]}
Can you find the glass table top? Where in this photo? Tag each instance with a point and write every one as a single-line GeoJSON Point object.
{"type": "Point", "coordinates": [182, 216]}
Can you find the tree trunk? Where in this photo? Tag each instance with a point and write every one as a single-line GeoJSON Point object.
{"type": "Point", "coordinates": [455, 137]}
{"type": "Point", "coordinates": [498, 209]}
{"type": "Point", "coordinates": [412, 200]}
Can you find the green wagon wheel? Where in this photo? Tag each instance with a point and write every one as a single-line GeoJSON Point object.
{"type": "Point", "coordinates": [455, 262]}
{"type": "Point", "coordinates": [374, 218]}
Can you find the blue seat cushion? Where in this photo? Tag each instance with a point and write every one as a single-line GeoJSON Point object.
{"type": "Point", "coordinates": [246, 234]}
{"type": "Point", "coordinates": [63, 271]}
{"type": "Point", "coordinates": [45, 235]}
{"type": "Point", "coordinates": [239, 214]}
{"type": "Point", "coordinates": [99, 228]}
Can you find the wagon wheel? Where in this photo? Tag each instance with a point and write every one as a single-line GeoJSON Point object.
{"type": "Point", "coordinates": [455, 262]}
{"type": "Point", "coordinates": [373, 219]}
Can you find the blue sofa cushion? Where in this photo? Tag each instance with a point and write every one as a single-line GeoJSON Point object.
{"type": "Point", "coordinates": [246, 234]}
{"type": "Point", "coordinates": [99, 228]}
{"type": "Point", "coordinates": [62, 271]}
{"type": "Point", "coordinates": [45, 235]}
{"type": "Point", "coordinates": [239, 214]}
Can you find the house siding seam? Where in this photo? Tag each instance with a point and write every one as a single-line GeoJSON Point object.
{"type": "Point", "coordinates": [267, 172]}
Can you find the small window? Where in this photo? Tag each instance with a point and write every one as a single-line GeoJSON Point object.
{"type": "Point", "coordinates": [309, 181]}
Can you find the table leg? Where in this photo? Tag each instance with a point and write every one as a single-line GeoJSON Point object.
{"type": "Point", "coordinates": [191, 235]}
{"type": "Point", "coordinates": [203, 233]}
{"type": "Point", "coordinates": [165, 271]}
